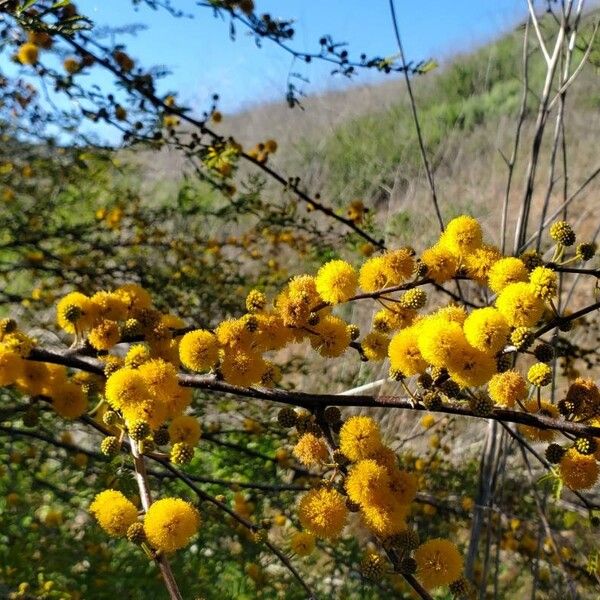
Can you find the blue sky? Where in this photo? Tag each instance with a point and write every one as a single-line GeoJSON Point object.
{"type": "Point", "coordinates": [203, 59]}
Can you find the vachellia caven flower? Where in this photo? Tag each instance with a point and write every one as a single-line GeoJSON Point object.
{"type": "Point", "coordinates": [170, 523]}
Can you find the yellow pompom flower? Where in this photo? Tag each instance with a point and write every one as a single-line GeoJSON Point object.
{"type": "Point", "coordinates": [323, 512]}
{"type": "Point", "coordinates": [198, 350]}
{"type": "Point", "coordinates": [480, 261]}
{"type": "Point", "coordinates": [360, 438]}
{"type": "Point", "coordinates": [304, 288]}
{"type": "Point", "coordinates": [160, 377]}
{"type": "Point", "coordinates": [404, 486]}
{"type": "Point", "coordinates": [332, 337]}
{"type": "Point", "coordinates": [374, 274]}
{"type": "Point", "coordinates": [506, 271]}
{"type": "Point", "coordinates": [104, 335]}
{"type": "Point", "coordinates": [137, 355]}
{"type": "Point", "coordinates": [544, 283]}
{"type": "Point", "coordinates": [109, 305]}
{"type": "Point", "coordinates": [387, 320]}
{"type": "Point", "coordinates": [185, 428]}
{"type": "Point", "coordinates": [470, 367]}
{"type": "Point", "coordinates": [310, 450]}
{"type": "Point", "coordinates": [387, 518]}
{"type": "Point", "coordinates": [233, 333]}
{"type": "Point", "coordinates": [74, 312]}
{"type": "Point", "coordinates": [439, 339]}
{"type": "Point", "coordinates": [519, 305]}
{"type": "Point", "coordinates": [428, 421]}
{"type": "Point", "coordinates": [368, 483]}
{"type": "Point", "coordinates": [10, 366]}
{"type": "Point", "coordinates": [404, 353]}
{"type": "Point", "coordinates": [452, 312]}
{"type": "Point", "coordinates": [69, 400]}
{"type": "Point", "coordinates": [545, 409]}
{"type": "Point", "coordinates": [336, 281]}
{"type": "Point", "coordinates": [302, 543]}
{"type": "Point", "coordinates": [438, 563]}
{"type": "Point", "coordinates": [243, 368]}
{"type": "Point", "coordinates": [33, 378]}
{"type": "Point", "coordinates": [170, 523]}
{"type": "Point", "coordinates": [578, 472]}
{"type": "Point", "coordinates": [177, 403]}
{"type": "Point", "coordinates": [487, 330]}
{"type": "Point", "coordinates": [462, 235]}
{"type": "Point", "coordinates": [126, 388]}
{"type": "Point", "coordinates": [28, 53]}
{"type": "Point", "coordinates": [134, 296]}
{"type": "Point", "coordinates": [399, 265]}
{"type": "Point", "coordinates": [507, 388]}
{"type": "Point", "coordinates": [375, 346]}
{"type": "Point", "coordinates": [441, 263]}
{"type": "Point", "coordinates": [114, 512]}
{"type": "Point", "coordinates": [539, 374]}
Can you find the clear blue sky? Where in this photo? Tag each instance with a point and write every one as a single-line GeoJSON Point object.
{"type": "Point", "coordinates": [204, 60]}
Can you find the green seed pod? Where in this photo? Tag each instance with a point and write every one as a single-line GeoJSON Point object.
{"type": "Point", "coordinates": [181, 453]}
{"type": "Point", "coordinates": [110, 446]}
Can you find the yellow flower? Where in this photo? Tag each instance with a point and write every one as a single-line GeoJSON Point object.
{"type": "Point", "coordinates": [136, 355]}
{"type": "Point", "coordinates": [399, 265]}
{"type": "Point", "coordinates": [332, 337]}
{"type": "Point", "coordinates": [114, 512]}
{"type": "Point", "coordinates": [428, 421]}
{"type": "Point", "coordinates": [360, 438]}
{"type": "Point", "coordinates": [506, 271]}
{"type": "Point", "coordinates": [243, 368]}
{"type": "Point", "coordinates": [387, 518]}
{"type": "Point", "coordinates": [438, 340]}
{"type": "Point", "coordinates": [10, 366]}
{"type": "Point", "coordinates": [487, 330]}
{"type": "Point", "coordinates": [479, 263]}
{"type": "Point", "coordinates": [184, 428]}
{"type": "Point", "coordinates": [578, 472]}
{"type": "Point", "coordinates": [404, 353]}
{"type": "Point", "coordinates": [374, 274]}
{"type": "Point", "coordinates": [170, 523]}
{"type": "Point", "coordinates": [74, 312]}
{"type": "Point", "coordinates": [368, 483]}
{"type": "Point", "coordinates": [33, 378]}
{"type": "Point", "coordinates": [134, 296]}
{"type": "Point", "coordinates": [519, 305]}
{"type": "Point", "coordinates": [104, 335]}
{"type": "Point", "coordinates": [28, 53]}
{"type": "Point", "coordinates": [462, 235]}
{"type": "Point", "coordinates": [404, 486]}
{"type": "Point", "coordinates": [69, 400]}
{"type": "Point", "coordinates": [302, 543]}
{"type": "Point", "coordinates": [233, 333]}
{"type": "Point", "coordinates": [310, 450]}
{"type": "Point", "coordinates": [452, 312]}
{"type": "Point", "coordinates": [438, 563]}
{"type": "Point", "coordinates": [160, 377]}
{"type": "Point", "coordinates": [507, 388]}
{"type": "Point", "coordinates": [470, 367]}
{"type": "Point", "coordinates": [387, 320]}
{"type": "Point", "coordinates": [440, 262]}
{"type": "Point", "coordinates": [198, 350]}
{"type": "Point", "coordinates": [323, 512]}
{"type": "Point", "coordinates": [125, 388]}
{"type": "Point", "coordinates": [336, 281]}
{"type": "Point", "coordinates": [110, 305]}
{"type": "Point", "coordinates": [544, 283]}
{"type": "Point", "coordinates": [375, 346]}
{"type": "Point", "coordinates": [539, 374]}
